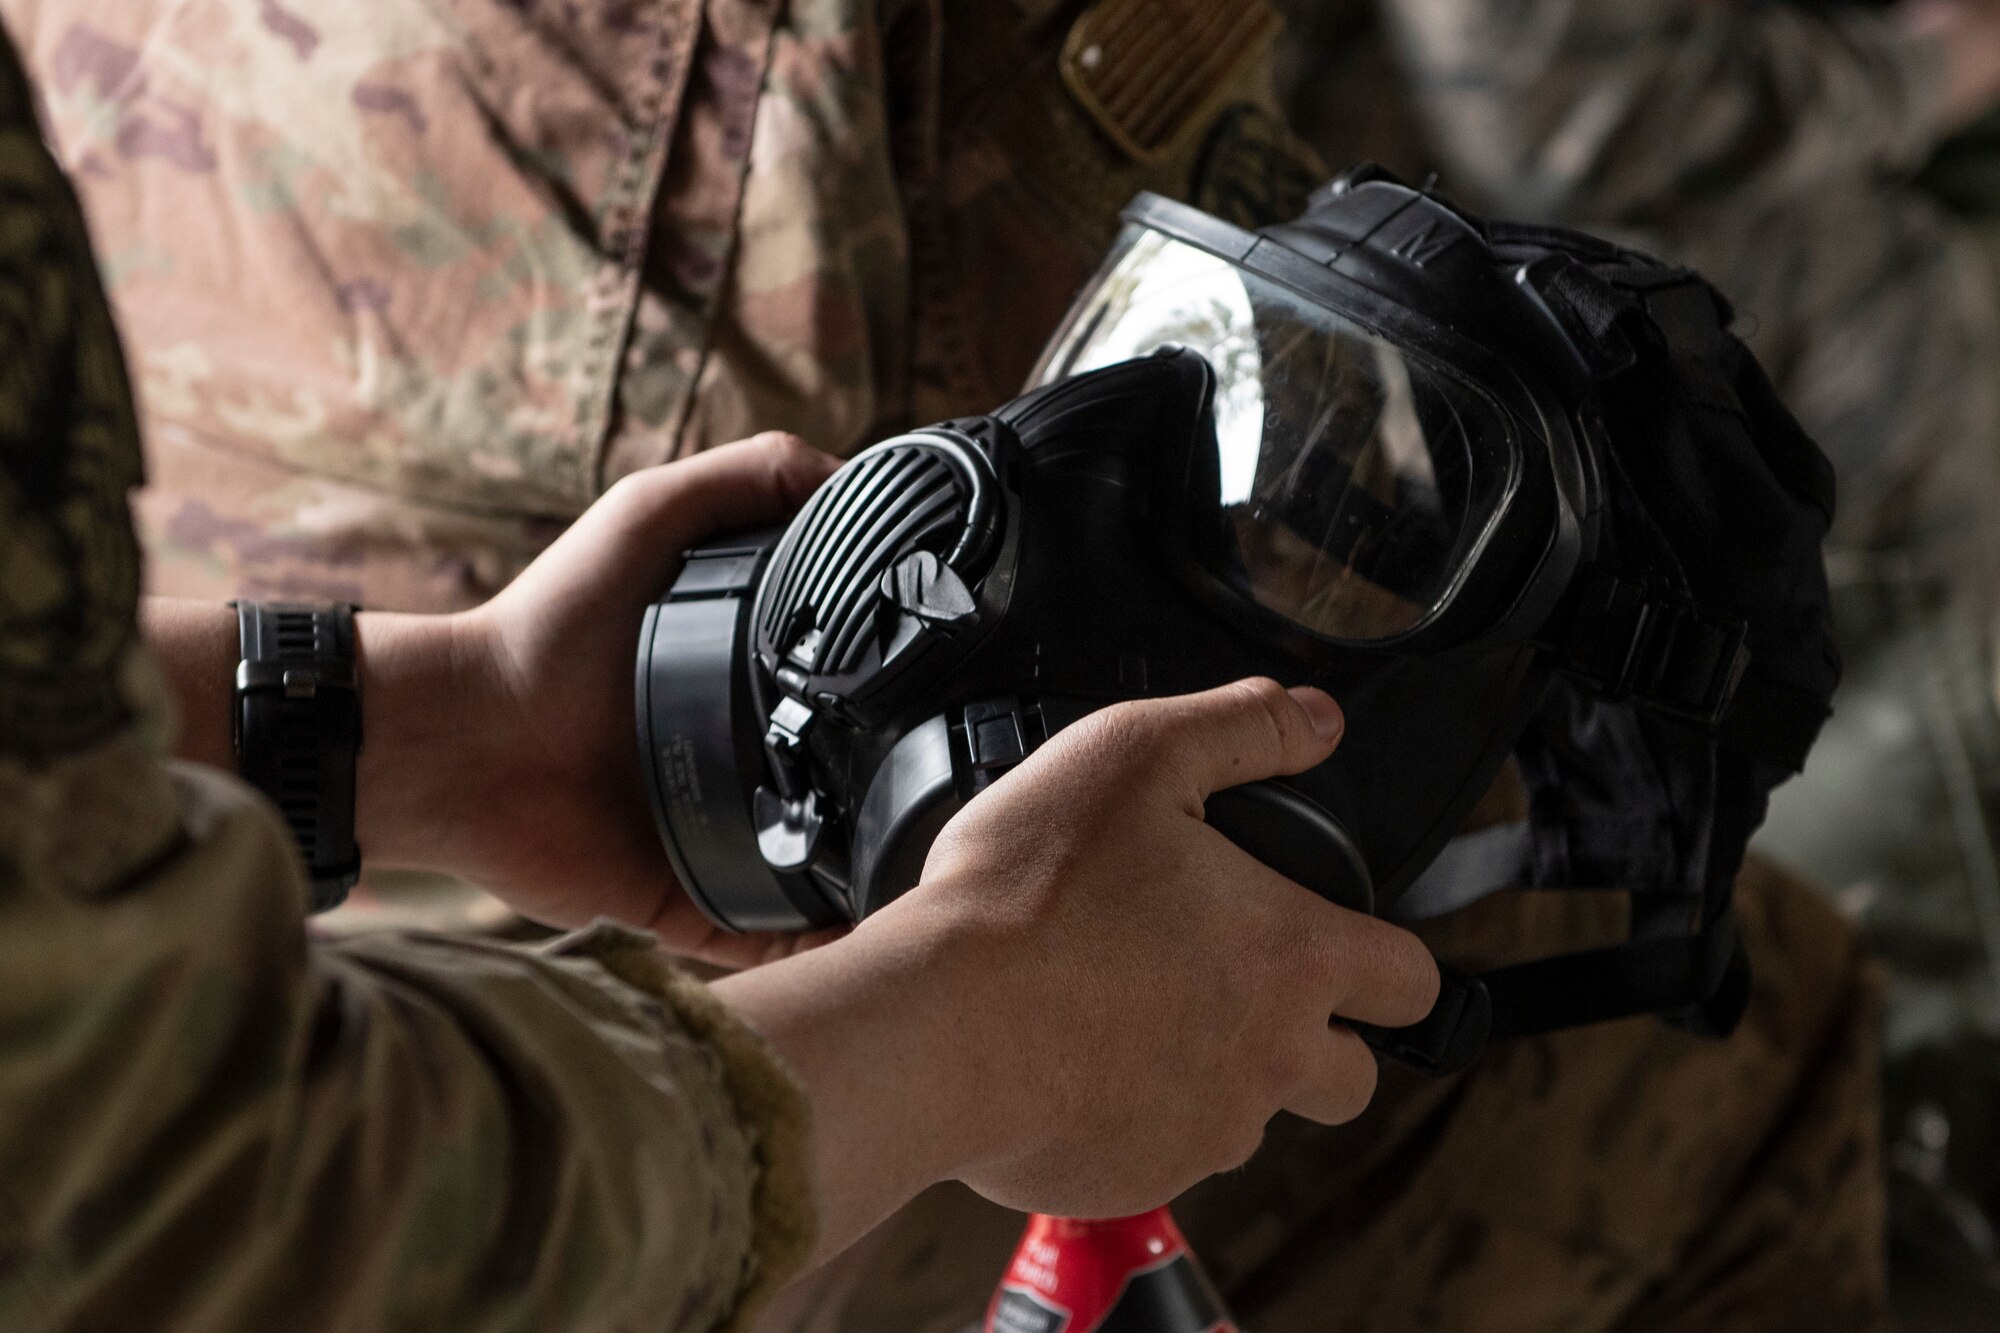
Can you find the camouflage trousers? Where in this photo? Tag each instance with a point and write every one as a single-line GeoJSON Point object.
{"type": "Point", "coordinates": [1627, 1177]}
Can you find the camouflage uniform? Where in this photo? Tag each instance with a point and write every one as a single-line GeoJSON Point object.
{"type": "Point", "coordinates": [859, 216]}
{"type": "Point", "coordinates": [408, 283]}
{"type": "Point", "coordinates": [210, 1119]}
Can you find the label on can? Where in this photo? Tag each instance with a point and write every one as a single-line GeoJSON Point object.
{"type": "Point", "coordinates": [1122, 1275]}
{"type": "Point", "coordinates": [1018, 1311]}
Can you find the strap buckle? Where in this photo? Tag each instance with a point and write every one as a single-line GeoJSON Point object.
{"type": "Point", "coordinates": [1699, 982]}
{"type": "Point", "coordinates": [1445, 1041]}
{"type": "Point", "coordinates": [1664, 650]}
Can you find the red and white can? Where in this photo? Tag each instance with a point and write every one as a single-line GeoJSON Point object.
{"type": "Point", "coordinates": [1117, 1275]}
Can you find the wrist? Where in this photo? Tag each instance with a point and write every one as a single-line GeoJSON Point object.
{"type": "Point", "coordinates": [974, 979]}
{"type": "Point", "coordinates": [409, 775]}
{"type": "Point", "coordinates": [893, 1037]}
{"type": "Point", "coordinates": [196, 645]}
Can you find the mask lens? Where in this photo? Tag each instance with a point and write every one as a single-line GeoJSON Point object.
{"type": "Point", "coordinates": [1348, 485]}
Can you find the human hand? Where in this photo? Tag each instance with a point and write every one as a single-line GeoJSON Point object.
{"type": "Point", "coordinates": [1966, 34]}
{"type": "Point", "coordinates": [1192, 984]}
{"type": "Point", "coordinates": [520, 771]}
{"type": "Point", "coordinates": [1092, 999]}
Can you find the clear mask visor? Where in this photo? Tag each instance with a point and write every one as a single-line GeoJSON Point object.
{"type": "Point", "coordinates": [1350, 484]}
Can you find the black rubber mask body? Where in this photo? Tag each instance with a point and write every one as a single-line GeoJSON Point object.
{"type": "Point", "coordinates": [1496, 489]}
{"type": "Point", "coordinates": [953, 597]}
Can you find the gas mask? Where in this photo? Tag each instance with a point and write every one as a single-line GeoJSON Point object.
{"type": "Point", "coordinates": [1499, 491]}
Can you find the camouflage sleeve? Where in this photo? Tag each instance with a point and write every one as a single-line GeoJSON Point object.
{"type": "Point", "coordinates": [210, 1118]}
{"type": "Point", "coordinates": [1619, 110]}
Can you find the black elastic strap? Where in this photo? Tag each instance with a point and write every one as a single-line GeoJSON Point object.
{"type": "Point", "coordinates": [298, 730]}
{"type": "Point", "coordinates": [1665, 652]}
{"type": "Point", "coordinates": [1630, 640]}
{"type": "Point", "coordinates": [1703, 979]}
{"type": "Point", "coordinates": [1647, 976]}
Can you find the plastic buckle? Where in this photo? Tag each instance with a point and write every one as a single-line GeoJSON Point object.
{"type": "Point", "coordinates": [997, 734]}
{"type": "Point", "coordinates": [1554, 282]}
{"type": "Point", "coordinates": [1447, 1038]}
{"type": "Point", "coordinates": [1662, 650]}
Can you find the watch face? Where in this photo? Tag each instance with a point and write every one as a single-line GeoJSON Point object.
{"type": "Point", "coordinates": [69, 452]}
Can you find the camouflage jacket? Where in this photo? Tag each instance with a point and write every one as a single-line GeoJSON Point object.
{"type": "Point", "coordinates": [1771, 146]}
{"type": "Point", "coordinates": [408, 283]}
{"type": "Point", "coordinates": [211, 1119]}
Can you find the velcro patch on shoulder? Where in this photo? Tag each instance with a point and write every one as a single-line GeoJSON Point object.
{"type": "Point", "coordinates": [1146, 70]}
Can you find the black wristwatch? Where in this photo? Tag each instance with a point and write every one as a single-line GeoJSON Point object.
{"type": "Point", "coordinates": [297, 730]}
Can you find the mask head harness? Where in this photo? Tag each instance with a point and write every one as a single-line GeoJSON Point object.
{"type": "Point", "coordinates": [1500, 490]}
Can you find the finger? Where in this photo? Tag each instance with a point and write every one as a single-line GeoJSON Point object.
{"type": "Point", "coordinates": [633, 537]}
{"type": "Point", "coordinates": [1358, 966]}
{"type": "Point", "coordinates": [1355, 965]}
{"type": "Point", "coordinates": [639, 528]}
{"type": "Point", "coordinates": [1370, 970]}
{"type": "Point", "coordinates": [660, 512]}
{"type": "Point", "coordinates": [1240, 733]}
{"type": "Point", "coordinates": [1340, 1079]}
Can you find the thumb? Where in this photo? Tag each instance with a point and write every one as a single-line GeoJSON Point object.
{"type": "Point", "coordinates": [643, 523]}
{"type": "Point", "coordinates": [1242, 732]}
{"type": "Point", "coordinates": [754, 481]}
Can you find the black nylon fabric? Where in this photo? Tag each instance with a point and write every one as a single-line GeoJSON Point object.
{"type": "Point", "coordinates": [1693, 651]}
{"type": "Point", "coordinates": [1716, 494]}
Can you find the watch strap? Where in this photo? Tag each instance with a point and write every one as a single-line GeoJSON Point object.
{"type": "Point", "coordinates": [297, 721]}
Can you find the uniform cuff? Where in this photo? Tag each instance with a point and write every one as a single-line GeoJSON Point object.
{"type": "Point", "coordinates": [771, 1105]}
